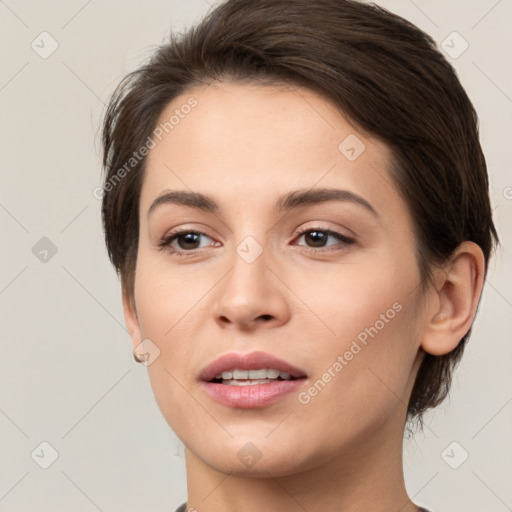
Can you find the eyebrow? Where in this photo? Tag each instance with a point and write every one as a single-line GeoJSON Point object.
{"type": "Point", "coordinates": [289, 201]}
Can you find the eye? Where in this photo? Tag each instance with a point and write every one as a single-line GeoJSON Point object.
{"type": "Point", "coordinates": [319, 237]}
{"type": "Point", "coordinates": [187, 241]}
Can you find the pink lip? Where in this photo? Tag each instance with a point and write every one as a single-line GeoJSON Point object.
{"type": "Point", "coordinates": [251, 361]}
{"type": "Point", "coordinates": [249, 397]}
{"type": "Point", "coordinates": [258, 395]}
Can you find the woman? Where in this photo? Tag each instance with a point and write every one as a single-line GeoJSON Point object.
{"type": "Point", "coordinates": [296, 201]}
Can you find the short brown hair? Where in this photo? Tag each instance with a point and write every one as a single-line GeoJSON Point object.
{"type": "Point", "coordinates": [380, 70]}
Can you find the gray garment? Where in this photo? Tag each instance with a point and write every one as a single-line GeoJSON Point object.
{"type": "Point", "coordinates": [183, 508]}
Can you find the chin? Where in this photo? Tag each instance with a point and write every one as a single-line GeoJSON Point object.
{"type": "Point", "coordinates": [256, 456]}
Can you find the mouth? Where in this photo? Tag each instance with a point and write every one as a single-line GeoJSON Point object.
{"type": "Point", "coordinates": [250, 380]}
{"type": "Point", "coordinates": [239, 377]}
{"type": "Point", "coordinates": [235, 368]}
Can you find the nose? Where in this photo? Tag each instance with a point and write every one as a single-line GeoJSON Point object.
{"type": "Point", "coordinates": [251, 296]}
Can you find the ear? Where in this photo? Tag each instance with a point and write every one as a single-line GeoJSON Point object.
{"type": "Point", "coordinates": [454, 299]}
{"type": "Point", "coordinates": [131, 320]}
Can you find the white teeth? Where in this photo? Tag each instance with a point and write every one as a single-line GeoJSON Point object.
{"type": "Point", "coordinates": [234, 382]}
{"type": "Point", "coordinates": [249, 376]}
{"type": "Point", "coordinates": [257, 374]}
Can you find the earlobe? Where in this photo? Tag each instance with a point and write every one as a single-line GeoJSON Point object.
{"type": "Point", "coordinates": [455, 299]}
{"type": "Point", "coordinates": [131, 320]}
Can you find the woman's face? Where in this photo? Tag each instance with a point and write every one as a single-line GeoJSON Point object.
{"type": "Point", "coordinates": [327, 283]}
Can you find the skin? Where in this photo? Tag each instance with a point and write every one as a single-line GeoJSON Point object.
{"type": "Point", "coordinates": [246, 145]}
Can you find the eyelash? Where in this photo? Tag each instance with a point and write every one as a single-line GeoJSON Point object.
{"type": "Point", "coordinates": [165, 243]}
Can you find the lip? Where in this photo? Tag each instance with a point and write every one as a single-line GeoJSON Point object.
{"type": "Point", "coordinates": [250, 396]}
{"type": "Point", "coordinates": [253, 396]}
{"type": "Point", "coordinates": [251, 361]}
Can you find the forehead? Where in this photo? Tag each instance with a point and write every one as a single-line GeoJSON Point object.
{"type": "Point", "coordinates": [231, 139]}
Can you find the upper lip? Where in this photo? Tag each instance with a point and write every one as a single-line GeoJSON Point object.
{"type": "Point", "coordinates": [251, 361]}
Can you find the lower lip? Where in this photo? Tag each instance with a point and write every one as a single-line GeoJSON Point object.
{"type": "Point", "coordinates": [252, 396]}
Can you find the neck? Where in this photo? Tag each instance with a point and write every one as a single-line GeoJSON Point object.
{"type": "Point", "coordinates": [362, 477]}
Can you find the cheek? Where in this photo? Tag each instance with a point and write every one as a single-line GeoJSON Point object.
{"type": "Point", "coordinates": [374, 319]}
{"type": "Point", "coordinates": [365, 373]}
{"type": "Point", "coordinates": [172, 312]}
{"type": "Point", "coordinates": [169, 297]}
{"type": "Point", "coordinates": [372, 299]}
{"type": "Point", "coordinates": [359, 385]}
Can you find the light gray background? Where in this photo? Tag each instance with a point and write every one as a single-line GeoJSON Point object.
{"type": "Point", "coordinates": [66, 368]}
